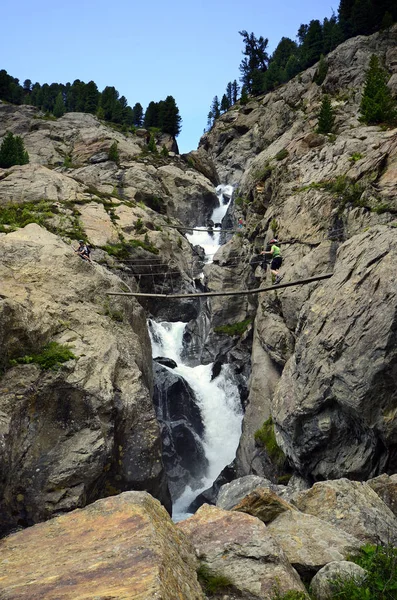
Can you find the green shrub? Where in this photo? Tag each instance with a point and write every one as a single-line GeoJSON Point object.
{"type": "Point", "coordinates": [381, 580]}
{"type": "Point", "coordinates": [322, 71]}
{"type": "Point", "coordinates": [326, 117]}
{"type": "Point", "coordinates": [355, 157]}
{"type": "Point", "coordinates": [290, 595]}
{"type": "Point", "coordinates": [139, 226]}
{"type": "Point", "coordinates": [164, 151]}
{"type": "Point", "coordinates": [266, 437]}
{"type": "Point", "coordinates": [211, 582]}
{"type": "Point", "coordinates": [20, 215]}
{"type": "Point", "coordinates": [12, 151]}
{"type": "Point", "coordinates": [234, 329]}
{"type": "Point", "coordinates": [51, 357]}
{"type": "Point", "coordinates": [282, 154]}
{"type": "Point", "coordinates": [152, 144]}
{"type": "Point", "coordinates": [113, 153]}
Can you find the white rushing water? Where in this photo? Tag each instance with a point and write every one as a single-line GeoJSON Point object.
{"type": "Point", "coordinates": [210, 241]}
{"type": "Point", "coordinates": [219, 404]}
{"type": "Point", "coordinates": [218, 400]}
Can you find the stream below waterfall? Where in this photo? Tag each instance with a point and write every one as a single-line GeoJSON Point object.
{"type": "Point", "coordinates": [218, 398]}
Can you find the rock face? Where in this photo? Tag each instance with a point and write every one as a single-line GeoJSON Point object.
{"type": "Point", "coordinates": [119, 548]}
{"type": "Point", "coordinates": [181, 430]}
{"type": "Point", "coordinates": [323, 355]}
{"type": "Point", "coordinates": [240, 548]}
{"type": "Point", "coordinates": [325, 582]}
{"type": "Point", "coordinates": [335, 403]}
{"type": "Point", "coordinates": [88, 429]}
{"type": "Point", "coordinates": [352, 506]}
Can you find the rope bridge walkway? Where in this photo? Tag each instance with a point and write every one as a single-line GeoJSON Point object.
{"type": "Point", "coordinates": [231, 293]}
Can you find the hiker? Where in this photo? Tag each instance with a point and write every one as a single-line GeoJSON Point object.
{"type": "Point", "coordinates": [277, 260]}
{"type": "Point", "coordinates": [83, 251]}
{"type": "Point", "coordinates": [240, 223]}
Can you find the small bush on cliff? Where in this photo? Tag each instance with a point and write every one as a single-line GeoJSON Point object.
{"type": "Point", "coordinates": [266, 437]}
{"type": "Point", "coordinates": [12, 151]}
{"type": "Point", "coordinates": [326, 117]}
{"type": "Point", "coordinates": [233, 328]}
{"type": "Point", "coordinates": [211, 582]}
{"type": "Point", "coordinates": [113, 153]}
{"type": "Point", "coordinates": [20, 215]}
{"type": "Point", "coordinates": [50, 357]}
{"type": "Point", "coordinates": [381, 580]}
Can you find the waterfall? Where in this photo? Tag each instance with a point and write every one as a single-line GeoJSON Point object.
{"type": "Point", "coordinates": [210, 240]}
{"type": "Point", "coordinates": [218, 399]}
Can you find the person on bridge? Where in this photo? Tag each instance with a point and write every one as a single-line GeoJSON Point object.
{"type": "Point", "coordinates": [277, 260]}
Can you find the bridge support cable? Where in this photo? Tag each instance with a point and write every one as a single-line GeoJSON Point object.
{"type": "Point", "coordinates": [270, 288]}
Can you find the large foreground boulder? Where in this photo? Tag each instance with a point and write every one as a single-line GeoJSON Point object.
{"type": "Point", "coordinates": [240, 548]}
{"type": "Point", "coordinates": [121, 547]}
{"type": "Point", "coordinates": [352, 506]}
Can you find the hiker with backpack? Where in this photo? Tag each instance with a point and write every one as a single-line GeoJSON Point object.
{"type": "Point", "coordinates": [83, 251]}
{"type": "Point", "coordinates": [277, 260]}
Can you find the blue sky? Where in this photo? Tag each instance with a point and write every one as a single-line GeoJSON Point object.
{"type": "Point", "coordinates": [147, 50]}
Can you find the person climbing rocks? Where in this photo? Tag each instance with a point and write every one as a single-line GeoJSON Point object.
{"type": "Point", "coordinates": [277, 260]}
{"type": "Point", "coordinates": [240, 223]}
{"type": "Point", "coordinates": [83, 251]}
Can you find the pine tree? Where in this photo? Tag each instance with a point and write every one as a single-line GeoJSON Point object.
{"type": "Point", "coordinates": [170, 120]}
{"type": "Point", "coordinates": [326, 116]}
{"type": "Point", "coordinates": [152, 144]}
{"type": "Point", "coordinates": [137, 115]}
{"type": "Point", "coordinates": [321, 71]}
{"type": "Point", "coordinates": [229, 93]}
{"type": "Point", "coordinates": [256, 59]}
{"type": "Point", "coordinates": [377, 104]}
{"type": "Point", "coordinates": [59, 107]}
{"type": "Point", "coordinates": [91, 98]}
{"type": "Point", "coordinates": [151, 115]}
{"type": "Point", "coordinates": [235, 91]}
{"type": "Point", "coordinates": [244, 96]}
{"type": "Point", "coordinates": [113, 153]}
{"type": "Point", "coordinates": [225, 104]}
{"type": "Point", "coordinates": [12, 151]}
{"type": "Point", "coordinates": [215, 108]}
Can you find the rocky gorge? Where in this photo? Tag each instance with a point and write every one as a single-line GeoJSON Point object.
{"type": "Point", "coordinates": [87, 449]}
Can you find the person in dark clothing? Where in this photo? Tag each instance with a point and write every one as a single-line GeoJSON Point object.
{"type": "Point", "coordinates": [277, 260]}
{"type": "Point", "coordinates": [83, 251]}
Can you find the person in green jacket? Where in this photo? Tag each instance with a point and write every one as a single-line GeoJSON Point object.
{"type": "Point", "coordinates": [277, 260]}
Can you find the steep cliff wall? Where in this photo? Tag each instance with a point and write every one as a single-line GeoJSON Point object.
{"type": "Point", "coordinates": [331, 397]}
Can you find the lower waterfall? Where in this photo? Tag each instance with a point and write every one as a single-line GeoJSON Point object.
{"type": "Point", "coordinates": [218, 399]}
{"type": "Point", "coordinates": [219, 404]}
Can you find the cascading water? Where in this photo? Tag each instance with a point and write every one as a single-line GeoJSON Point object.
{"type": "Point", "coordinates": [218, 399]}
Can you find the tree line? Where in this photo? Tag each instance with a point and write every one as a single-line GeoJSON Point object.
{"type": "Point", "coordinates": [58, 99]}
{"type": "Point", "coordinates": [261, 73]}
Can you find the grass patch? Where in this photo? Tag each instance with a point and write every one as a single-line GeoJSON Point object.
{"type": "Point", "coordinates": [264, 173]}
{"type": "Point", "coordinates": [355, 157]}
{"type": "Point", "coordinates": [20, 215]}
{"type": "Point", "coordinates": [234, 328]}
{"type": "Point", "coordinates": [282, 154]}
{"type": "Point", "coordinates": [381, 580]}
{"type": "Point", "coordinates": [266, 438]}
{"type": "Point", "coordinates": [211, 582]}
{"type": "Point", "coordinates": [50, 357]}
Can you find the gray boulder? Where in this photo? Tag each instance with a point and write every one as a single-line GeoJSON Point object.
{"type": "Point", "coordinates": [333, 575]}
